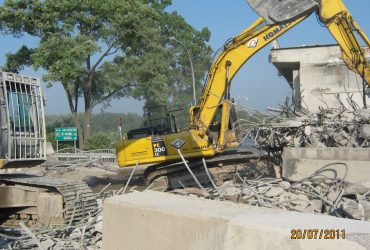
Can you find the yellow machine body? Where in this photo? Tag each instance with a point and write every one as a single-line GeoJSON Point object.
{"type": "Point", "coordinates": [156, 149]}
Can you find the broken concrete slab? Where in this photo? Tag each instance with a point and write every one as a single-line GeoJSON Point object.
{"type": "Point", "coordinates": [366, 207]}
{"type": "Point", "coordinates": [353, 209]}
{"type": "Point", "coordinates": [153, 220]}
{"type": "Point", "coordinates": [274, 191]}
{"type": "Point", "coordinates": [300, 163]}
{"type": "Point", "coordinates": [333, 195]}
{"type": "Point", "coordinates": [316, 205]}
{"type": "Point", "coordinates": [99, 224]}
{"type": "Point", "coordinates": [357, 188]}
{"type": "Point", "coordinates": [47, 244]}
{"type": "Point", "coordinates": [191, 191]}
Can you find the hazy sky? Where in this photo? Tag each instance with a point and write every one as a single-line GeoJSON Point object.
{"type": "Point", "coordinates": [257, 85]}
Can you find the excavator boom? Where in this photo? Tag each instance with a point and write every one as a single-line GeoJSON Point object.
{"type": "Point", "coordinates": [235, 54]}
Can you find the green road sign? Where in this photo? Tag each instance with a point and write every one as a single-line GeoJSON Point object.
{"type": "Point", "coordinates": [66, 134]}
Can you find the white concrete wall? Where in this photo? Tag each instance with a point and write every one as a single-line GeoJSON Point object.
{"type": "Point", "coordinates": [164, 221]}
{"type": "Point", "coordinates": [324, 85]}
{"type": "Point", "coordinates": [300, 163]}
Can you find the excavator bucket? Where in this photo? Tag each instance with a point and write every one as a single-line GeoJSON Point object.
{"type": "Point", "coordinates": [282, 11]}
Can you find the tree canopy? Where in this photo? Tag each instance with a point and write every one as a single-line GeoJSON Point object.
{"type": "Point", "coordinates": [99, 50]}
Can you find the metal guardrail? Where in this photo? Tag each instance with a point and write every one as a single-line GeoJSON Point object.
{"type": "Point", "coordinates": [72, 154]}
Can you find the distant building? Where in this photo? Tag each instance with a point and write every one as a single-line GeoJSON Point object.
{"type": "Point", "coordinates": [319, 77]}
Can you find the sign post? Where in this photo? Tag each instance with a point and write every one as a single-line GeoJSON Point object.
{"type": "Point", "coordinates": [66, 134]}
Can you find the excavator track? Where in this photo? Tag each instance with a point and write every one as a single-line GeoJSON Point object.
{"type": "Point", "coordinates": [176, 173]}
{"type": "Point", "coordinates": [78, 199]}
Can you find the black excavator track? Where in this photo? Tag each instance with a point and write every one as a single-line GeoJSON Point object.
{"type": "Point", "coordinates": [78, 199]}
{"type": "Point", "coordinates": [175, 171]}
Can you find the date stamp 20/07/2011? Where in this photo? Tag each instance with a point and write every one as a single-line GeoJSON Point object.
{"type": "Point", "coordinates": [317, 234]}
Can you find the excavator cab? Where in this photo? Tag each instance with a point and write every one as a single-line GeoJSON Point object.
{"type": "Point", "coordinates": [282, 11]}
{"type": "Point", "coordinates": [159, 120]}
{"type": "Point", "coordinates": [22, 120]}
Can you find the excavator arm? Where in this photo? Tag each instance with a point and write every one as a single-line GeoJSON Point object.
{"type": "Point", "coordinates": [335, 16]}
{"type": "Point", "coordinates": [277, 17]}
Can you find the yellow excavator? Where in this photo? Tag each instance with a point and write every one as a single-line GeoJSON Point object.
{"type": "Point", "coordinates": [213, 132]}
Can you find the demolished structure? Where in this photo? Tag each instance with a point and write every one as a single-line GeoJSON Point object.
{"type": "Point", "coordinates": [319, 77]}
{"type": "Point", "coordinates": [155, 220]}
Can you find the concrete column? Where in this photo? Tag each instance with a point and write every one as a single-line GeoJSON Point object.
{"type": "Point", "coordinates": [297, 89]}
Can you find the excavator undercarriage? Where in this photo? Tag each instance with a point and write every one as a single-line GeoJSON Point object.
{"type": "Point", "coordinates": [44, 200]}
{"type": "Point", "coordinates": [222, 167]}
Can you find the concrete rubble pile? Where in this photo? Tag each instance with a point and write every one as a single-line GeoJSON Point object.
{"type": "Point", "coordinates": [327, 128]}
{"type": "Point", "coordinates": [85, 234]}
{"type": "Point", "coordinates": [315, 194]}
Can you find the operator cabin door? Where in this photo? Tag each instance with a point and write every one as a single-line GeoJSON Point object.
{"type": "Point", "coordinates": [22, 118]}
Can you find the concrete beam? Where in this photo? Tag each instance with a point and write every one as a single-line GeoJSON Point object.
{"type": "Point", "coordinates": [299, 163]}
{"type": "Point", "coordinates": [153, 220]}
{"type": "Point", "coordinates": [317, 54]}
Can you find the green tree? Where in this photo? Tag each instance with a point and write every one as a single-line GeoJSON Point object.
{"type": "Point", "coordinates": [167, 72]}
{"type": "Point", "coordinates": [103, 50]}
{"type": "Point", "coordinates": [100, 140]}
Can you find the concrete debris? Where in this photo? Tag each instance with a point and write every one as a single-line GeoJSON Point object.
{"type": "Point", "coordinates": [366, 206]}
{"type": "Point", "coordinates": [353, 209]}
{"type": "Point", "coordinates": [75, 234]}
{"type": "Point", "coordinates": [315, 194]}
{"type": "Point", "coordinates": [316, 205]}
{"type": "Point", "coordinates": [284, 184]}
{"type": "Point", "coordinates": [357, 188]}
{"type": "Point", "coordinates": [85, 234]}
{"type": "Point", "coordinates": [228, 189]}
{"type": "Point", "coordinates": [191, 191]}
{"type": "Point", "coordinates": [365, 131]}
{"type": "Point", "coordinates": [299, 200]}
{"type": "Point", "coordinates": [327, 128]}
{"type": "Point", "coordinates": [99, 224]}
{"type": "Point", "coordinates": [333, 195]}
{"type": "Point", "coordinates": [48, 244]}
{"type": "Point", "coordinates": [274, 191]}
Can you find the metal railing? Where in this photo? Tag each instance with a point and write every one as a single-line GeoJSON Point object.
{"type": "Point", "coordinates": [70, 154]}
